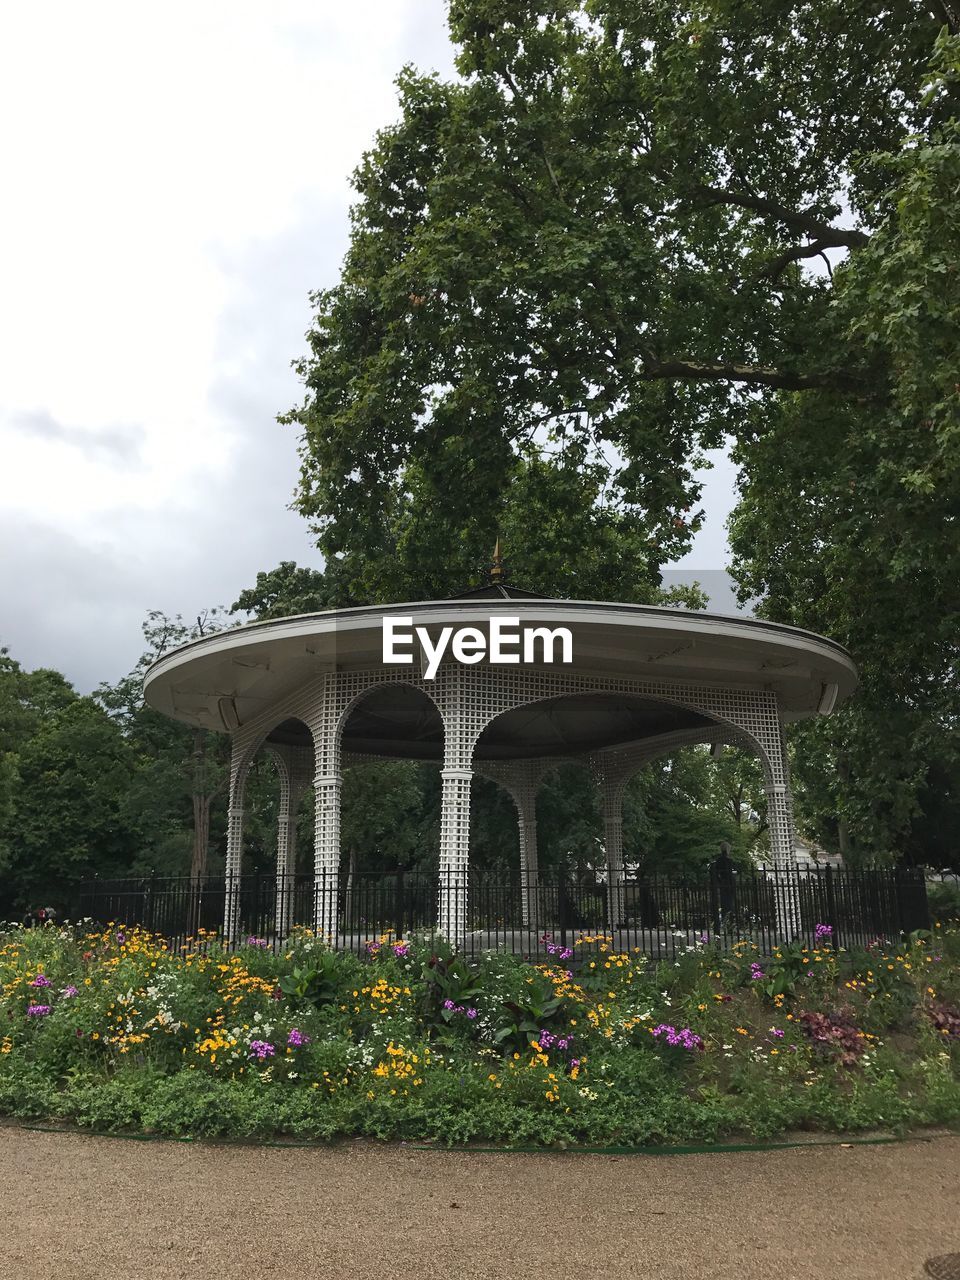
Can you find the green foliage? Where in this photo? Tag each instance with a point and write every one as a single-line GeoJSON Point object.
{"type": "Point", "coordinates": [136, 1037]}
{"type": "Point", "coordinates": [69, 816]}
{"type": "Point", "coordinates": [538, 1007]}
{"type": "Point", "coordinates": [448, 980]}
{"type": "Point", "coordinates": [285, 591]}
{"type": "Point", "coordinates": [587, 250]}
{"type": "Point", "coordinates": [317, 983]}
{"type": "Point", "coordinates": [627, 233]}
{"type": "Point", "coordinates": [944, 899]}
{"type": "Point", "coordinates": [868, 555]}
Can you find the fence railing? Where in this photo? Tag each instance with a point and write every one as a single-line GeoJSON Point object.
{"type": "Point", "coordinates": [660, 915]}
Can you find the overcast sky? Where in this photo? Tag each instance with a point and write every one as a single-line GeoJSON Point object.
{"type": "Point", "coordinates": [176, 182]}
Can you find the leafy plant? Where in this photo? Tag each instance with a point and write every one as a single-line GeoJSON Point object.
{"type": "Point", "coordinates": [523, 1018]}
{"type": "Point", "coordinates": [316, 983]}
{"type": "Point", "coordinates": [835, 1036]}
{"type": "Point", "coordinates": [450, 983]}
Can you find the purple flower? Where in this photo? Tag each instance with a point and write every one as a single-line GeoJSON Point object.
{"type": "Point", "coordinates": [777, 1032]}
{"type": "Point", "coordinates": [401, 948]}
{"type": "Point", "coordinates": [448, 1004]}
{"type": "Point", "coordinates": [556, 948]}
{"type": "Point", "coordinates": [256, 942]}
{"type": "Point", "coordinates": [823, 933]}
{"type": "Point", "coordinates": [756, 973]}
{"type": "Point", "coordinates": [121, 938]}
{"type": "Point", "coordinates": [471, 1013]}
{"type": "Point", "coordinates": [261, 1049]}
{"type": "Point", "coordinates": [684, 1038]}
{"type": "Point", "coordinates": [547, 1040]}
{"type": "Point", "coordinates": [296, 1039]}
{"type": "Point", "coordinates": [67, 992]}
{"type": "Point", "coordinates": [40, 981]}
{"type": "Point", "coordinates": [37, 1010]}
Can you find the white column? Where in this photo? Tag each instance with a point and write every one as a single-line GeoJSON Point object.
{"type": "Point", "coordinates": [231, 897]}
{"type": "Point", "coordinates": [613, 846]}
{"type": "Point", "coordinates": [326, 857]}
{"type": "Point", "coordinates": [286, 852]}
{"type": "Point", "coordinates": [611, 774]}
{"type": "Point", "coordinates": [529, 866]}
{"type": "Point", "coordinates": [454, 853]}
{"type": "Point", "coordinates": [782, 836]}
{"type": "Point", "coordinates": [323, 719]}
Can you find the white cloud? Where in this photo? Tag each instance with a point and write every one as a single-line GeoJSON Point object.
{"type": "Point", "coordinates": [180, 179]}
{"type": "Point", "coordinates": [176, 182]}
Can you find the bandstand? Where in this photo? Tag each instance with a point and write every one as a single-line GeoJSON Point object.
{"type": "Point", "coordinates": [642, 681]}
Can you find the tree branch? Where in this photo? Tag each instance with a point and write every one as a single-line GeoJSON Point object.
{"type": "Point", "coordinates": [798, 220]}
{"type": "Point", "coordinates": [948, 14]}
{"type": "Point", "coordinates": [774, 269]}
{"type": "Point", "coordinates": [749, 375]}
{"type": "Point", "coordinates": [509, 81]}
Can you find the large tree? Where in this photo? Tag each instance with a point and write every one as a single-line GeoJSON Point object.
{"type": "Point", "coordinates": [628, 232]}
{"type": "Point", "coordinates": [182, 771]}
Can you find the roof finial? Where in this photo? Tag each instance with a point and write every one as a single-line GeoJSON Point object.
{"type": "Point", "coordinates": [497, 573]}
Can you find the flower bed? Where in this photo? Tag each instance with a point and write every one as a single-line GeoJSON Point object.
{"type": "Point", "coordinates": [114, 1031]}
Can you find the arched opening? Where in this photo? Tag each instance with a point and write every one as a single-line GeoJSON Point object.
{"type": "Point", "coordinates": [682, 804]}
{"type": "Point", "coordinates": [533, 751]}
{"type": "Point", "coordinates": [392, 742]}
{"type": "Point", "coordinates": [277, 845]}
{"type": "Point", "coordinates": [396, 721]}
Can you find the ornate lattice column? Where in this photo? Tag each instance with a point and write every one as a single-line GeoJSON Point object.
{"type": "Point", "coordinates": [783, 837]}
{"type": "Point", "coordinates": [292, 770]}
{"type": "Point", "coordinates": [459, 712]}
{"type": "Point", "coordinates": [521, 779]}
{"type": "Point", "coordinates": [324, 721]}
{"type": "Point", "coordinates": [454, 852]}
{"type": "Point", "coordinates": [231, 896]}
{"type": "Point", "coordinates": [529, 867]}
{"type": "Point", "coordinates": [611, 777]}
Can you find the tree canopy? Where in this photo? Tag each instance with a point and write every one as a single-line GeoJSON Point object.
{"type": "Point", "coordinates": [627, 233]}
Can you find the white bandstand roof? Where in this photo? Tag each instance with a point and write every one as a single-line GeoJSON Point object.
{"type": "Point", "coordinates": [224, 680]}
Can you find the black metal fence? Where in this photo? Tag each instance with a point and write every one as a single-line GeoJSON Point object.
{"type": "Point", "coordinates": [660, 915]}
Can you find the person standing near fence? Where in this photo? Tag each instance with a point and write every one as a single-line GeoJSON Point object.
{"type": "Point", "coordinates": [723, 873]}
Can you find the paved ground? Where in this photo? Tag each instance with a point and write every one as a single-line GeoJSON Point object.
{"type": "Point", "coordinates": [75, 1207]}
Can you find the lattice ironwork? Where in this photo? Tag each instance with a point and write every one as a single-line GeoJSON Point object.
{"type": "Point", "coordinates": [468, 700]}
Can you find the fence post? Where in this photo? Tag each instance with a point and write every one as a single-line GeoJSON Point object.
{"type": "Point", "coordinates": [716, 922]}
{"type": "Point", "coordinates": [833, 919]}
{"type": "Point", "coordinates": [563, 906]}
{"type": "Point", "coordinates": [399, 906]}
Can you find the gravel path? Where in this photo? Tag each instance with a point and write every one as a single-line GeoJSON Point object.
{"type": "Point", "coordinates": [76, 1207]}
